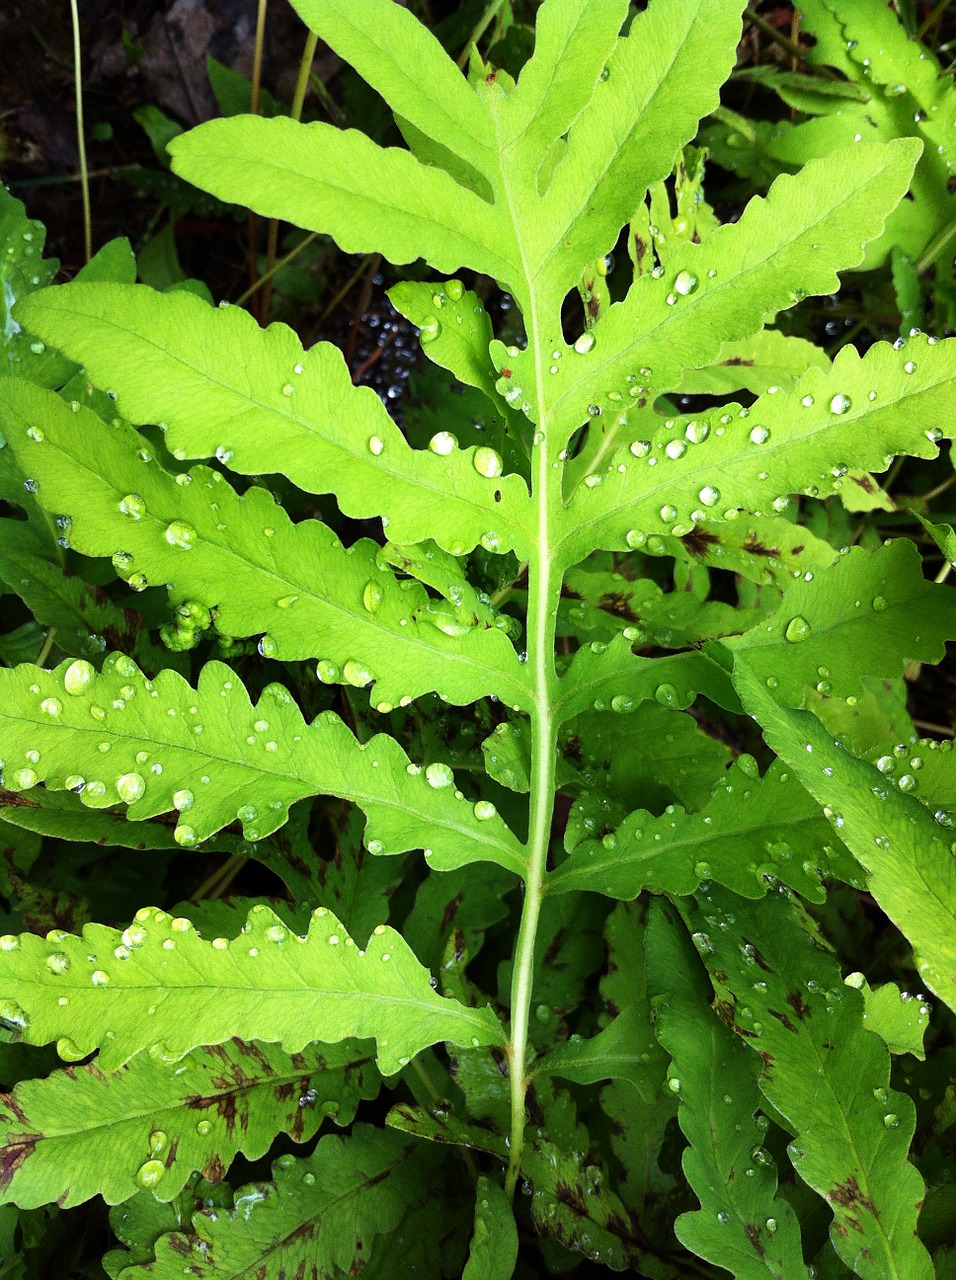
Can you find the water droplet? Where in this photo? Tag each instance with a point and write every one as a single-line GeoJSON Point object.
{"type": "Point", "coordinates": [723, 1217]}
{"type": "Point", "coordinates": [442, 443]}
{"type": "Point", "coordinates": [891, 1121]}
{"type": "Point", "coordinates": [484, 810]}
{"type": "Point", "coordinates": [58, 962]}
{"type": "Point", "coordinates": [430, 330]}
{"type": "Point", "coordinates": [668, 513]}
{"type": "Point", "coordinates": [327, 671]}
{"type": "Point", "coordinates": [181, 534]}
{"type": "Point", "coordinates": [185, 835]}
{"type": "Point", "coordinates": [909, 367]}
{"type": "Point", "coordinates": [759, 435]}
{"type": "Point", "coordinates": [797, 629]}
{"type": "Point", "coordinates": [584, 344]}
{"type": "Point", "coordinates": [674, 1084]}
{"type": "Point", "coordinates": [840, 403]}
{"type": "Point", "coordinates": [487, 462]}
{"type": "Point", "coordinates": [879, 603]}
{"type": "Point", "coordinates": [51, 706]}
{"type": "Point", "coordinates": [375, 445]}
{"type": "Point", "coordinates": [685, 283]}
{"type": "Point", "coordinates": [24, 779]}
{"type": "Point", "coordinates": [133, 506]}
{"type": "Point", "coordinates": [203, 1127]}
{"type": "Point", "coordinates": [640, 448]}
{"type": "Point", "coordinates": [439, 775]}
{"type": "Point", "coordinates": [372, 596]}
{"type": "Point", "coordinates": [99, 978]}
{"type": "Point", "coordinates": [149, 1174]}
{"type": "Point", "coordinates": [357, 674]}
{"type": "Point", "coordinates": [697, 432]}
{"type": "Point", "coordinates": [709, 496]}
{"type": "Point", "coordinates": [130, 787]}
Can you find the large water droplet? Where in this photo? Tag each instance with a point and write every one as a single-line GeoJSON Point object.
{"type": "Point", "coordinates": [357, 674]}
{"type": "Point", "coordinates": [181, 534]}
{"type": "Point", "coordinates": [78, 676]}
{"type": "Point", "coordinates": [840, 403]}
{"type": "Point", "coordinates": [51, 706]}
{"type": "Point", "coordinates": [375, 445]}
{"type": "Point", "coordinates": [133, 506]}
{"type": "Point", "coordinates": [797, 629]}
{"type": "Point", "coordinates": [58, 962]}
{"type": "Point", "coordinates": [185, 835]}
{"type": "Point", "coordinates": [685, 283]}
{"type": "Point", "coordinates": [149, 1174]}
{"type": "Point", "coordinates": [709, 496]}
{"type": "Point", "coordinates": [130, 787]}
{"type": "Point", "coordinates": [584, 344]}
{"type": "Point", "coordinates": [759, 435]}
{"type": "Point", "coordinates": [372, 596]}
{"type": "Point", "coordinates": [484, 810]}
{"type": "Point", "coordinates": [439, 775]}
{"type": "Point", "coordinates": [487, 462]}
{"type": "Point", "coordinates": [442, 443]}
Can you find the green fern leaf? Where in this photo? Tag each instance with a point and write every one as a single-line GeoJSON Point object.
{"type": "Point", "coordinates": [826, 1075]}
{"type": "Point", "coordinates": [494, 1244]}
{"type": "Point", "coordinates": [145, 1126]}
{"type": "Point", "coordinates": [863, 410]}
{"type": "Point", "coordinates": [158, 983]}
{"type": "Point", "coordinates": [52, 724]}
{"type": "Point", "coordinates": [680, 320]}
{"type": "Point", "coordinates": [244, 558]}
{"type": "Point", "coordinates": [256, 400]}
{"type": "Point", "coordinates": [742, 1224]}
{"type": "Point", "coordinates": [867, 615]}
{"type": "Point", "coordinates": [323, 1215]}
{"type": "Point", "coordinates": [902, 845]}
{"type": "Point", "coordinates": [753, 832]}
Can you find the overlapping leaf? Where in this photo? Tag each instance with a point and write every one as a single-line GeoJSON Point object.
{"type": "Point", "coordinates": [244, 557]}
{"type": "Point", "coordinates": [904, 848]}
{"type": "Point", "coordinates": [719, 291]}
{"type": "Point", "coordinates": [742, 1224]}
{"type": "Point", "coordinates": [159, 983]}
{"type": "Point", "coordinates": [327, 1213]}
{"type": "Point", "coordinates": [213, 757]}
{"type": "Point", "coordinates": [261, 404]}
{"type": "Point", "coordinates": [753, 832]}
{"type": "Point", "coordinates": [865, 615]}
{"type": "Point", "coordinates": [148, 1126]}
{"type": "Point", "coordinates": [826, 1075]}
{"type": "Point", "coordinates": [859, 413]}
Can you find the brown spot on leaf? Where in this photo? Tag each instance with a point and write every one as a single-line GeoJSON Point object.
{"type": "Point", "coordinates": [797, 1003]}
{"type": "Point", "coordinates": [848, 1195]}
{"type": "Point", "coordinates": [756, 548]}
{"type": "Point", "coordinates": [782, 1017]}
{"type": "Point", "coordinates": [572, 1198]}
{"type": "Point", "coordinates": [619, 604]}
{"type": "Point", "coordinates": [753, 1233]}
{"type": "Point", "coordinates": [214, 1170]}
{"type": "Point", "coordinates": [14, 1153]}
{"type": "Point", "coordinates": [737, 360]}
{"type": "Point", "coordinates": [451, 910]}
{"type": "Point", "coordinates": [865, 483]}
{"type": "Point", "coordinates": [699, 541]}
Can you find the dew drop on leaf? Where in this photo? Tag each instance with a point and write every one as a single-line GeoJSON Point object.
{"type": "Point", "coordinates": [133, 506]}
{"type": "Point", "coordinates": [181, 534]}
{"type": "Point", "coordinates": [130, 787]}
{"type": "Point", "coordinates": [439, 775]}
{"type": "Point", "coordinates": [797, 629]}
{"type": "Point", "coordinates": [78, 676]}
{"type": "Point", "coordinates": [442, 443]}
{"type": "Point", "coordinates": [487, 462]}
{"type": "Point", "coordinates": [840, 403]}
{"type": "Point", "coordinates": [149, 1174]}
{"type": "Point", "coordinates": [685, 283]}
{"type": "Point", "coordinates": [759, 435]}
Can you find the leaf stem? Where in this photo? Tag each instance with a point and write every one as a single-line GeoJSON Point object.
{"type": "Point", "coordinates": [544, 586]}
{"type": "Point", "coordinates": [81, 134]}
{"type": "Point", "coordinates": [255, 86]}
{"type": "Point", "coordinates": [494, 8]}
{"type": "Point", "coordinates": [295, 113]}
